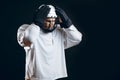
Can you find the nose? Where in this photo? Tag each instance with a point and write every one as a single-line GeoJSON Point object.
{"type": "Point", "coordinates": [51, 23]}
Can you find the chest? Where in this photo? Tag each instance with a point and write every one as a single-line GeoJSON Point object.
{"type": "Point", "coordinates": [50, 39]}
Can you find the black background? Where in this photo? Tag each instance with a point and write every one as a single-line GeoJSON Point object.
{"type": "Point", "coordinates": [96, 58]}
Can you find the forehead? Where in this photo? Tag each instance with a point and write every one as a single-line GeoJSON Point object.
{"type": "Point", "coordinates": [49, 18]}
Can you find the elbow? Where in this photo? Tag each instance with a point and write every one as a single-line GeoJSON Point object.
{"type": "Point", "coordinates": [79, 38]}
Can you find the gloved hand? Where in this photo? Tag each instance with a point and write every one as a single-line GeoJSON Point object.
{"type": "Point", "coordinates": [41, 14]}
{"type": "Point", "coordinates": [66, 22]}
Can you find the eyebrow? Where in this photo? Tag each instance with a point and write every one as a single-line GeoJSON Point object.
{"type": "Point", "coordinates": [50, 20]}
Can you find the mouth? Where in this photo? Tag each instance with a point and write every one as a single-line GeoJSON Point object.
{"type": "Point", "coordinates": [50, 28]}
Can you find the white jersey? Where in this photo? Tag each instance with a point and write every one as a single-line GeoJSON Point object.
{"type": "Point", "coordinates": [45, 57]}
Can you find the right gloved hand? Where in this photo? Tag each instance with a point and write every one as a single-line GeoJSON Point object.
{"type": "Point", "coordinates": [41, 14]}
{"type": "Point", "coordinates": [66, 22]}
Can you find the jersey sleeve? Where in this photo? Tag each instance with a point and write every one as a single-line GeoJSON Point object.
{"type": "Point", "coordinates": [72, 37]}
{"type": "Point", "coordinates": [20, 34]}
{"type": "Point", "coordinates": [27, 34]}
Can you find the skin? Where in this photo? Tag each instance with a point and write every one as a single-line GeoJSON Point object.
{"type": "Point", "coordinates": [26, 42]}
{"type": "Point", "coordinates": [49, 23]}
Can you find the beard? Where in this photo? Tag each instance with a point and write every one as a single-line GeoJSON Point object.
{"type": "Point", "coordinates": [49, 29]}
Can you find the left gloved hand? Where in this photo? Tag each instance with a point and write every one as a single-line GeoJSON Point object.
{"type": "Point", "coordinates": [66, 22]}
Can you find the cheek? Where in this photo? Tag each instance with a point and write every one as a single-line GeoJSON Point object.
{"type": "Point", "coordinates": [53, 23]}
{"type": "Point", "coordinates": [46, 24]}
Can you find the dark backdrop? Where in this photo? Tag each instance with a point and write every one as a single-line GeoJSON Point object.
{"type": "Point", "coordinates": [96, 58]}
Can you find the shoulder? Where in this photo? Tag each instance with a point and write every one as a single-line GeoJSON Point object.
{"type": "Point", "coordinates": [28, 27]}
{"type": "Point", "coordinates": [33, 27]}
{"type": "Point", "coordinates": [58, 31]}
{"type": "Point", "coordinates": [23, 27]}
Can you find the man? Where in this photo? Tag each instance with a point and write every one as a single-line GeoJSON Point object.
{"type": "Point", "coordinates": [45, 41]}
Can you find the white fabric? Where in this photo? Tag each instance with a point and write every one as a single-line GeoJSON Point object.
{"type": "Point", "coordinates": [45, 58]}
{"type": "Point", "coordinates": [52, 12]}
{"type": "Point", "coordinates": [20, 33]}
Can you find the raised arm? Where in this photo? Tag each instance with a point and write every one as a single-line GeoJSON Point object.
{"type": "Point", "coordinates": [27, 34]}
{"type": "Point", "coordinates": [71, 35]}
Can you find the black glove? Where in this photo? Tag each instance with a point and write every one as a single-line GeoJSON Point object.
{"type": "Point", "coordinates": [66, 22]}
{"type": "Point", "coordinates": [40, 15]}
